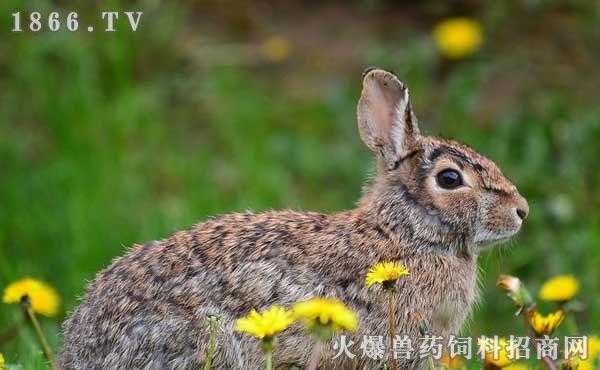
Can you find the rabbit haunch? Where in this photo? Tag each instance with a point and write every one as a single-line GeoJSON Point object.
{"type": "Point", "coordinates": [147, 309]}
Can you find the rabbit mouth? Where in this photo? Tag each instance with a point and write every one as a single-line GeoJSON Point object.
{"type": "Point", "coordinates": [489, 238]}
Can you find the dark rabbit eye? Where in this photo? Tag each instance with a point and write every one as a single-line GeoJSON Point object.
{"type": "Point", "coordinates": [449, 179]}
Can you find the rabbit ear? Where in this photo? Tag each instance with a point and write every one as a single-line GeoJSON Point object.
{"type": "Point", "coordinates": [386, 122]}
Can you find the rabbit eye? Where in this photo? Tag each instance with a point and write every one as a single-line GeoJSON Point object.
{"type": "Point", "coordinates": [449, 179]}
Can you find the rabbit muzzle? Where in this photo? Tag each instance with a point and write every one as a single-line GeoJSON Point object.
{"type": "Point", "coordinates": [500, 218]}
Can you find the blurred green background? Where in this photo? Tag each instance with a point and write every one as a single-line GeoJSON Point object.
{"type": "Point", "coordinates": [107, 139]}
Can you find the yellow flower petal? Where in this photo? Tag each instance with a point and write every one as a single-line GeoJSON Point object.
{"type": "Point", "coordinates": [545, 325]}
{"type": "Point", "coordinates": [2, 363]}
{"type": "Point", "coordinates": [559, 288]}
{"type": "Point", "coordinates": [579, 364]}
{"type": "Point", "coordinates": [385, 272]}
{"type": "Point", "coordinates": [575, 362]}
{"type": "Point", "coordinates": [593, 347]}
{"type": "Point", "coordinates": [486, 346]}
{"type": "Point", "coordinates": [44, 299]}
{"type": "Point", "coordinates": [458, 37]}
{"type": "Point", "coordinates": [456, 362]}
{"type": "Point", "coordinates": [586, 365]}
{"type": "Point", "coordinates": [266, 324]}
{"type": "Point", "coordinates": [327, 312]}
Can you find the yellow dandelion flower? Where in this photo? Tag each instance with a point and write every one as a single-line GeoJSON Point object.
{"type": "Point", "coordinates": [545, 325]}
{"type": "Point", "coordinates": [593, 350]}
{"type": "Point", "coordinates": [455, 362]}
{"type": "Point", "coordinates": [559, 288]}
{"type": "Point", "coordinates": [494, 352]}
{"type": "Point", "coordinates": [326, 312]}
{"type": "Point", "coordinates": [586, 365]}
{"type": "Point", "coordinates": [458, 37]}
{"type": "Point", "coordinates": [44, 299]}
{"type": "Point", "coordinates": [385, 272]}
{"type": "Point", "coordinates": [2, 363]}
{"type": "Point", "coordinates": [266, 324]}
{"type": "Point", "coordinates": [276, 49]}
{"type": "Point", "coordinates": [576, 363]}
{"type": "Point", "coordinates": [593, 347]}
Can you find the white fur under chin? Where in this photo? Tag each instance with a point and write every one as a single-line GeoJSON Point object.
{"type": "Point", "coordinates": [487, 238]}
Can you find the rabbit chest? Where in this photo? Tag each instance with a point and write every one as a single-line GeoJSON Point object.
{"type": "Point", "coordinates": [447, 289]}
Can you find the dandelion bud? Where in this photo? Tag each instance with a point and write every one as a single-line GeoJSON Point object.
{"type": "Point", "coordinates": [509, 283]}
{"type": "Point", "coordinates": [515, 289]}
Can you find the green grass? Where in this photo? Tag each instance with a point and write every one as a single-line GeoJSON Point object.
{"type": "Point", "coordinates": [111, 139]}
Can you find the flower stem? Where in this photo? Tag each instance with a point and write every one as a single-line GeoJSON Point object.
{"type": "Point", "coordinates": [38, 331]}
{"type": "Point", "coordinates": [269, 360]}
{"type": "Point", "coordinates": [315, 357]}
{"type": "Point", "coordinates": [549, 364]}
{"type": "Point", "coordinates": [267, 346]}
{"type": "Point", "coordinates": [530, 332]}
{"type": "Point", "coordinates": [392, 326]}
{"type": "Point", "coordinates": [430, 363]}
{"type": "Point", "coordinates": [210, 352]}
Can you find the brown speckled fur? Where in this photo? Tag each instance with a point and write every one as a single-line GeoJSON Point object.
{"type": "Point", "coordinates": [147, 309]}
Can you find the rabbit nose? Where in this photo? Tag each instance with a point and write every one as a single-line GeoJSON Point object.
{"type": "Point", "coordinates": [522, 207]}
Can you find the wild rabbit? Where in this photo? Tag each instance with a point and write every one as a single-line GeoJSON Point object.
{"type": "Point", "coordinates": [433, 205]}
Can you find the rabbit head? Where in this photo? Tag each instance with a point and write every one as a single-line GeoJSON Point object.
{"type": "Point", "coordinates": [438, 191]}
